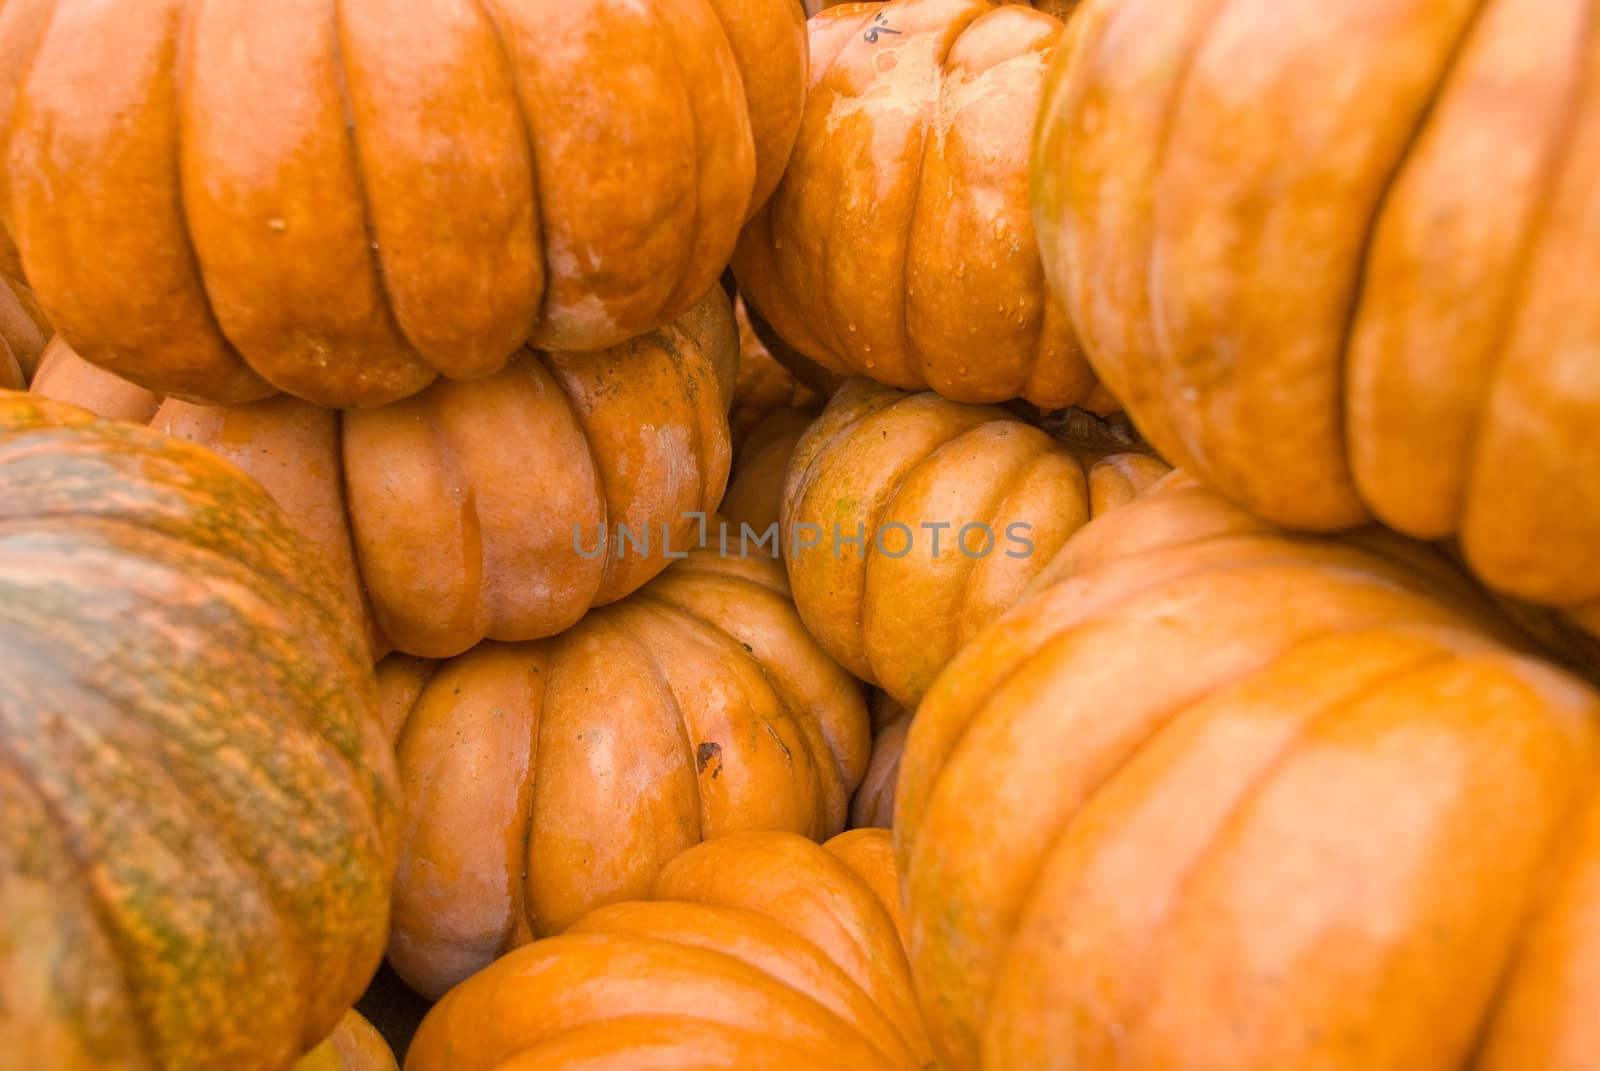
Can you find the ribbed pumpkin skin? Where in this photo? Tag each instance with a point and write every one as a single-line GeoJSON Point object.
{"type": "Point", "coordinates": [764, 386]}
{"type": "Point", "coordinates": [752, 952]}
{"type": "Point", "coordinates": [545, 779]}
{"type": "Point", "coordinates": [873, 805]}
{"type": "Point", "coordinates": [198, 809]}
{"type": "Point", "coordinates": [755, 488]}
{"type": "Point", "coordinates": [354, 1045]}
{"type": "Point", "coordinates": [899, 244]}
{"type": "Point", "coordinates": [1259, 215]}
{"type": "Point", "coordinates": [879, 458]}
{"type": "Point", "coordinates": [451, 514]}
{"type": "Point", "coordinates": [1299, 787]}
{"type": "Point", "coordinates": [24, 329]}
{"type": "Point", "coordinates": [344, 201]}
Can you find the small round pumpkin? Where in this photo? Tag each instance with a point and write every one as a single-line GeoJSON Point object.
{"type": "Point", "coordinates": [752, 952]}
{"type": "Point", "coordinates": [198, 808]}
{"type": "Point", "coordinates": [545, 779]}
{"type": "Point", "coordinates": [503, 507]}
{"type": "Point", "coordinates": [899, 244]}
{"type": "Point", "coordinates": [354, 1045]}
{"type": "Point", "coordinates": [1305, 788]}
{"type": "Point", "coordinates": [873, 805]}
{"type": "Point", "coordinates": [764, 385]}
{"type": "Point", "coordinates": [911, 521]}
{"type": "Point", "coordinates": [1335, 260]}
{"type": "Point", "coordinates": [345, 201]}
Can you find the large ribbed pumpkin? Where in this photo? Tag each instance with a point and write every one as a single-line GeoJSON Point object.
{"type": "Point", "coordinates": [1362, 233]}
{"type": "Point", "coordinates": [752, 952]}
{"type": "Point", "coordinates": [910, 522]}
{"type": "Point", "coordinates": [899, 244]}
{"type": "Point", "coordinates": [545, 779]}
{"type": "Point", "coordinates": [503, 507]}
{"type": "Point", "coordinates": [198, 809]}
{"type": "Point", "coordinates": [1222, 799]}
{"type": "Point", "coordinates": [344, 201]}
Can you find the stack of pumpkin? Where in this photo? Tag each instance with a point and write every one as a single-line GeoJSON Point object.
{"type": "Point", "coordinates": [373, 584]}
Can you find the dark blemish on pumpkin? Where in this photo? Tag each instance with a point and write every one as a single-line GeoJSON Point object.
{"type": "Point", "coordinates": [747, 647]}
{"type": "Point", "coordinates": [705, 754]}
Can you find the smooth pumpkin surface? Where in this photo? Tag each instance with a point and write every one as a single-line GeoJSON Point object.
{"type": "Point", "coordinates": [198, 808]}
{"type": "Point", "coordinates": [1359, 232]}
{"type": "Point", "coordinates": [899, 244]}
{"type": "Point", "coordinates": [891, 468]}
{"type": "Point", "coordinates": [345, 201]}
{"type": "Point", "coordinates": [354, 1045]}
{"type": "Point", "coordinates": [545, 779]}
{"type": "Point", "coordinates": [1217, 797]}
{"type": "Point", "coordinates": [489, 508]}
{"type": "Point", "coordinates": [755, 952]}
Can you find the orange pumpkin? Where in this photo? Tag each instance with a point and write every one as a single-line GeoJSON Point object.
{"type": "Point", "coordinates": [873, 805]}
{"type": "Point", "coordinates": [483, 509]}
{"type": "Point", "coordinates": [198, 809]}
{"type": "Point", "coordinates": [346, 201]}
{"type": "Point", "coordinates": [912, 521]}
{"type": "Point", "coordinates": [1286, 803]}
{"type": "Point", "coordinates": [752, 952]}
{"type": "Point", "coordinates": [545, 779]}
{"type": "Point", "coordinates": [354, 1045]}
{"type": "Point", "coordinates": [23, 331]}
{"type": "Point", "coordinates": [764, 386]}
{"type": "Point", "coordinates": [899, 244]}
{"type": "Point", "coordinates": [755, 489]}
{"type": "Point", "coordinates": [1360, 232]}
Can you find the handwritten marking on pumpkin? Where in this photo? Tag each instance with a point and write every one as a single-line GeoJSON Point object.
{"type": "Point", "coordinates": [880, 24]}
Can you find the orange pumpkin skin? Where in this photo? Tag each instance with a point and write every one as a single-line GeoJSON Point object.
{"type": "Point", "coordinates": [1301, 787]}
{"type": "Point", "coordinates": [891, 466]}
{"type": "Point", "coordinates": [545, 779]}
{"type": "Point", "coordinates": [752, 952]}
{"type": "Point", "coordinates": [354, 1045]}
{"type": "Point", "coordinates": [899, 244]}
{"type": "Point", "coordinates": [1416, 347]}
{"type": "Point", "coordinates": [476, 509]}
{"type": "Point", "coordinates": [24, 329]}
{"type": "Point", "coordinates": [198, 809]}
{"type": "Point", "coordinates": [376, 195]}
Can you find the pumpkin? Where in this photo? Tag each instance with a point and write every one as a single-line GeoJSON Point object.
{"type": "Point", "coordinates": [755, 489]}
{"type": "Point", "coordinates": [502, 507]}
{"type": "Point", "coordinates": [1290, 803]}
{"type": "Point", "coordinates": [354, 1045]}
{"type": "Point", "coordinates": [1361, 233]}
{"type": "Point", "coordinates": [751, 952]}
{"type": "Point", "coordinates": [873, 805]}
{"type": "Point", "coordinates": [764, 385]}
{"type": "Point", "coordinates": [198, 809]}
{"type": "Point", "coordinates": [345, 202]}
{"type": "Point", "coordinates": [545, 779]}
{"type": "Point", "coordinates": [899, 244]}
{"type": "Point", "coordinates": [911, 521]}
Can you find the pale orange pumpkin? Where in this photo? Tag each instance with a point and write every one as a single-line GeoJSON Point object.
{"type": "Point", "coordinates": [752, 952]}
{"type": "Point", "coordinates": [1226, 799]}
{"type": "Point", "coordinates": [354, 1045]}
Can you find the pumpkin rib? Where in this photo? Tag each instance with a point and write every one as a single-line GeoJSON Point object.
{"type": "Point", "coordinates": [803, 726]}
{"type": "Point", "coordinates": [686, 255]}
{"type": "Point", "coordinates": [664, 687]}
{"type": "Point", "coordinates": [491, 15]}
{"type": "Point", "coordinates": [1235, 813]}
{"type": "Point", "coordinates": [1533, 240]}
{"type": "Point", "coordinates": [94, 899]}
{"type": "Point", "coordinates": [358, 167]}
